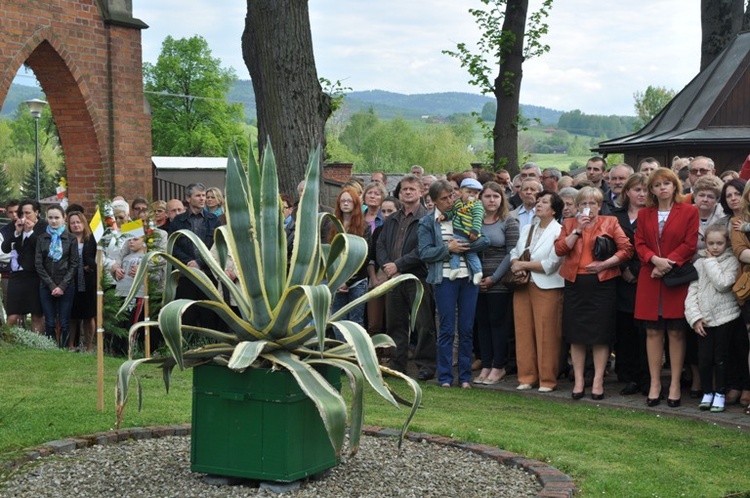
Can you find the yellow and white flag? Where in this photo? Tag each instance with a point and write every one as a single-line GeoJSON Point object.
{"type": "Point", "coordinates": [97, 226]}
{"type": "Point", "coordinates": [133, 229]}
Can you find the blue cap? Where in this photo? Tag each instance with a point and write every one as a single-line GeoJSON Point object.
{"type": "Point", "coordinates": [471, 183]}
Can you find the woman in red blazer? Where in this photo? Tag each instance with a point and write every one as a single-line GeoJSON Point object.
{"type": "Point", "coordinates": [666, 237]}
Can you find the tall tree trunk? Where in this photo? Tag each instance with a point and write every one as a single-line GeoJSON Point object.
{"type": "Point", "coordinates": [721, 20]}
{"type": "Point", "coordinates": [508, 87]}
{"type": "Point", "coordinates": [292, 108]}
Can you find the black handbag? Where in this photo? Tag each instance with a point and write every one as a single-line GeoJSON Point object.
{"type": "Point", "coordinates": [680, 275]}
{"type": "Point", "coordinates": [604, 248]}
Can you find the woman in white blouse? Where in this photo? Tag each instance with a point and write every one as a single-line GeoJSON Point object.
{"type": "Point", "coordinates": [537, 305]}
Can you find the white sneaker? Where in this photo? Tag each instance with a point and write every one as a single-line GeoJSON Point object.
{"type": "Point", "coordinates": [453, 275]}
{"type": "Point", "coordinates": [705, 403]}
{"type": "Point", "coordinates": [477, 278]}
{"type": "Point", "coordinates": [523, 387]}
{"type": "Point", "coordinates": [545, 389]}
{"type": "Point", "coordinates": [718, 403]}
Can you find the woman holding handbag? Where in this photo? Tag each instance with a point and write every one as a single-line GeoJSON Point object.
{"type": "Point", "coordinates": [590, 273]}
{"type": "Point", "coordinates": [666, 239]}
{"type": "Point", "coordinates": [537, 304]}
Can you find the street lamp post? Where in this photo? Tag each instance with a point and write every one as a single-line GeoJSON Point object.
{"type": "Point", "coordinates": [35, 108]}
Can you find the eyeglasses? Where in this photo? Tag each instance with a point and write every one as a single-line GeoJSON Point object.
{"type": "Point", "coordinates": [700, 171]}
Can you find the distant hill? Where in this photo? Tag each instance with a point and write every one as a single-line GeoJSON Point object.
{"type": "Point", "coordinates": [16, 95]}
{"type": "Point", "coordinates": [387, 105]}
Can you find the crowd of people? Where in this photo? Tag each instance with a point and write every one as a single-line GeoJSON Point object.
{"type": "Point", "coordinates": [48, 260]}
{"type": "Point", "coordinates": [616, 269]}
{"type": "Point", "coordinates": [546, 275]}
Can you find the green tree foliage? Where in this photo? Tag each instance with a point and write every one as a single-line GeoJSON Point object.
{"type": "Point", "coordinates": [579, 123]}
{"type": "Point", "coordinates": [47, 182]}
{"type": "Point", "coordinates": [187, 90]}
{"type": "Point", "coordinates": [508, 38]}
{"type": "Point", "coordinates": [489, 111]}
{"type": "Point", "coordinates": [18, 148]}
{"type": "Point", "coordinates": [337, 152]}
{"type": "Point", "coordinates": [7, 189]}
{"type": "Point", "coordinates": [359, 127]}
{"type": "Point", "coordinates": [650, 102]}
{"type": "Point", "coordinates": [394, 145]}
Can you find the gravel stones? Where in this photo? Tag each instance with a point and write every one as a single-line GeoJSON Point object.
{"type": "Point", "coordinates": [161, 467]}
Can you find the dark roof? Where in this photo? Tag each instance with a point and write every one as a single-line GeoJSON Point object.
{"type": "Point", "coordinates": [713, 108]}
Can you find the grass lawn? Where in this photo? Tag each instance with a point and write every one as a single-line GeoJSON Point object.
{"type": "Point", "coordinates": [609, 452]}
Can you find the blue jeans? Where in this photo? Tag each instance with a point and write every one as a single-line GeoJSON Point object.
{"type": "Point", "coordinates": [57, 309]}
{"type": "Point", "coordinates": [356, 314]}
{"type": "Point", "coordinates": [472, 258]}
{"type": "Point", "coordinates": [451, 296]}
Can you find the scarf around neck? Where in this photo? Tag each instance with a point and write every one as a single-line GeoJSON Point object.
{"type": "Point", "coordinates": [55, 245]}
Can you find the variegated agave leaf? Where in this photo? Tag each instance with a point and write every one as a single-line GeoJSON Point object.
{"type": "Point", "coordinates": [282, 313]}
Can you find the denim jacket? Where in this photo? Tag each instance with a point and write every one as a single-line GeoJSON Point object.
{"type": "Point", "coordinates": [432, 249]}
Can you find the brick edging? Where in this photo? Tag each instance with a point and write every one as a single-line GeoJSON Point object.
{"type": "Point", "coordinates": [554, 483]}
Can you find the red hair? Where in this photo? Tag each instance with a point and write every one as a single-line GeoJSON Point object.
{"type": "Point", "coordinates": [357, 221]}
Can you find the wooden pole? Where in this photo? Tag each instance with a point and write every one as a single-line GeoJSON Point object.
{"type": "Point", "coordinates": [99, 329]}
{"type": "Point", "coordinates": [147, 335]}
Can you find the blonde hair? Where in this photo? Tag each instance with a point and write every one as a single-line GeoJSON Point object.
{"type": "Point", "coordinates": [217, 193]}
{"type": "Point", "coordinates": [590, 193]}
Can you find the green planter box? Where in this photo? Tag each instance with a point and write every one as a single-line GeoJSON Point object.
{"type": "Point", "coordinates": [257, 424]}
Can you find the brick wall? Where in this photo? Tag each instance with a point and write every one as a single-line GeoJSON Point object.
{"type": "Point", "coordinates": [339, 172]}
{"type": "Point", "coordinates": [91, 73]}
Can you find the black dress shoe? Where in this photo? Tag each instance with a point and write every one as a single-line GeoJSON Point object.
{"type": "Point", "coordinates": [576, 395]}
{"type": "Point", "coordinates": [651, 402]}
{"type": "Point", "coordinates": [673, 403]}
{"type": "Point", "coordinates": [597, 397]}
{"type": "Point", "coordinates": [630, 388]}
{"type": "Point", "coordinates": [425, 375]}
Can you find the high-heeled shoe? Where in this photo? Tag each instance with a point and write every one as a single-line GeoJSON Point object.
{"type": "Point", "coordinates": [652, 402]}
{"type": "Point", "coordinates": [673, 403]}
{"type": "Point", "coordinates": [597, 397]}
{"type": "Point", "coordinates": [576, 396]}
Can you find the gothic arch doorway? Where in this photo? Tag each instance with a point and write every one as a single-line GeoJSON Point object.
{"type": "Point", "coordinates": [86, 55]}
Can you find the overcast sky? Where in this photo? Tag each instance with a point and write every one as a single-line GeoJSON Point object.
{"type": "Point", "coordinates": [601, 51]}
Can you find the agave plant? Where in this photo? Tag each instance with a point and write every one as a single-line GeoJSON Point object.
{"type": "Point", "coordinates": [284, 310]}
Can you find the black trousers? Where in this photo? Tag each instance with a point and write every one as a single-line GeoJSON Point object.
{"type": "Point", "coordinates": [713, 353]}
{"type": "Point", "coordinates": [493, 327]}
{"type": "Point", "coordinates": [398, 305]}
{"type": "Point", "coordinates": [630, 350]}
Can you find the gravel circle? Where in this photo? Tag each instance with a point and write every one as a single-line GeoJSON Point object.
{"type": "Point", "coordinates": [161, 467]}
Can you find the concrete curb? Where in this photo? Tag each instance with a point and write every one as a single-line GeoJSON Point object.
{"type": "Point", "coordinates": [554, 483]}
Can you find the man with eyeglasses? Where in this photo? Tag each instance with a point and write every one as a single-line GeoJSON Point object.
{"type": "Point", "coordinates": [699, 167]}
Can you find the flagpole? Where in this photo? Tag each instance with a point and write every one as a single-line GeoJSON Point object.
{"type": "Point", "coordinates": [99, 329]}
{"type": "Point", "coordinates": [147, 335]}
